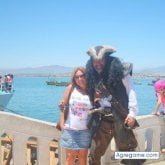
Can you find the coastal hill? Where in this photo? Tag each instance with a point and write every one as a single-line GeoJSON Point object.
{"type": "Point", "coordinates": [52, 70]}
{"type": "Point", "coordinates": [157, 72]}
{"type": "Point", "coordinates": [56, 70]}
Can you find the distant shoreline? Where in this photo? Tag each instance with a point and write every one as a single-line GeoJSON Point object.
{"type": "Point", "coordinates": [62, 71]}
{"type": "Point", "coordinates": [149, 75]}
{"type": "Point", "coordinates": [135, 75]}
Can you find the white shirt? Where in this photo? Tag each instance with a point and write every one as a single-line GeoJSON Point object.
{"type": "Point", "coordinates": [132, 99]}
{"type": "Point", "coordinates": [79, 105]}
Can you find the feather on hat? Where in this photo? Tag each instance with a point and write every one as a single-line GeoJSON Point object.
{"type": "Point", "coordinates": [99, 52]}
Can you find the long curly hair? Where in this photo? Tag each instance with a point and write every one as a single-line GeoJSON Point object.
{"type": "Point", "coordinates": [111, 75]}
{"type": "Point", "coordinates": [80, 68]}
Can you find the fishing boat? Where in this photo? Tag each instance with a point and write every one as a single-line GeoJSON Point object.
{"type": "Point", "coordinates": [6, 90]}
{"type": "Point", "coordinates": [53, 81]}
{"type": "Point", "coordinates": [137, 83]}
{"type": "Point", "coordinates": [153, 82]}
{"type": "Point", "coordinates": [57, 83]}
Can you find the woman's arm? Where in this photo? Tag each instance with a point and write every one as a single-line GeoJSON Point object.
{"type": "Point", "coordinates": [156, 112]}
{"type": "Point", "coordinates": [64, 105]}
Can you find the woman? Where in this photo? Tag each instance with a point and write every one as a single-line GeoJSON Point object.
{"type": "Point", "coordinates": [159, 87]}
{"type": "Point", "coordinates": [75, 136]}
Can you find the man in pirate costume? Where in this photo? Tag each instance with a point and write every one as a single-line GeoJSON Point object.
{"type": "Point", "coordinates": [116, 77]}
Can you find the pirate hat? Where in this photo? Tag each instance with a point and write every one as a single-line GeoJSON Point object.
{"type": "Point", "coordinates": [98, 52]}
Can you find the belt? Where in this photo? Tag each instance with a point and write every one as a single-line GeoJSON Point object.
{"type": "Point", "coordinates": [109, 119]}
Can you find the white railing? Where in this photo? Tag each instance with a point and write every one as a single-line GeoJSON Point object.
{"type": "Point", "coordinates": [26, 141]}
{"type": "Point", "coordinates": [150, 136]}
{"type": "Point", "coordinates": [27, 135]}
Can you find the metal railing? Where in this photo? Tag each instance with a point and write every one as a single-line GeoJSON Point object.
{"type": "Point", "coordinates": [7, 87]}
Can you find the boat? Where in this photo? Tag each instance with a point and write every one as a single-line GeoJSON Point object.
{"type": "Point", "coordinates": [137, 83]}
{"type": "Point", "coordinates": [57, 83]}
{"type": "Point", "coordinates": [53, 81]}
{"type": "Point", "coordinates": [153, 82]}
{"type": "Point", "coordinates": [6, 90]}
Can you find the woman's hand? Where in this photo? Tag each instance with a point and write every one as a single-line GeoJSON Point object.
{"type": "Point", "coordinates": [156, 113]}
{"type": "Point", "coordinates": [62, 126]}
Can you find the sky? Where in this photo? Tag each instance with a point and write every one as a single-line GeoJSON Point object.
{"type": "Point", "coordinates": [36, 33]}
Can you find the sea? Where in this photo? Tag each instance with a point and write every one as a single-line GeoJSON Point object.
{"type": "Point", "coordinates": [35, 99]}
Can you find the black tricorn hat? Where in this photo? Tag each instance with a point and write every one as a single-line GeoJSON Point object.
{"type": "Point", "coordinates": [98, 52]}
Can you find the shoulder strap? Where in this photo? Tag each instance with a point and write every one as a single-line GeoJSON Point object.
{"type": "Point", "coordinates": [67, 94]}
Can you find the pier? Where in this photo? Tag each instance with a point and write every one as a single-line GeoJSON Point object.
{"type": "Point", "coordinates": [33, 142]}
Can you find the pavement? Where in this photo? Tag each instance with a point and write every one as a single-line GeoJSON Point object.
{"type": "Point", "coordinates": [157, 163]}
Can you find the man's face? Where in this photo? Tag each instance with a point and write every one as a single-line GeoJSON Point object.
{"type": "Point", "coordinates": [99, 65]}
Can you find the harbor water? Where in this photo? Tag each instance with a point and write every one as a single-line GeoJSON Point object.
{"type": "Point", "coordinates": [34, 98]}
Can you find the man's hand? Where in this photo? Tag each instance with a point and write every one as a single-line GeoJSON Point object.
{"type": "Point", "coordinates": [62, 105]}
{"type": "Point", "coordinates": [130, 121]}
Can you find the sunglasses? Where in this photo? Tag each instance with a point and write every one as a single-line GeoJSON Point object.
{"type": "Point", "coordinates": [79, 76]}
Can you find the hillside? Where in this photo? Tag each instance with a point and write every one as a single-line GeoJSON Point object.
{"type": "Point", "coordinates": [40, 71]}
{"type": "Point", "coordinates": [56, 70]}
{"type": "Point", "coordinates": [158, 72]}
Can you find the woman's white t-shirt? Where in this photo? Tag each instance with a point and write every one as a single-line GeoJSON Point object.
{"type": "Point", "coordinates": [79, 105]}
